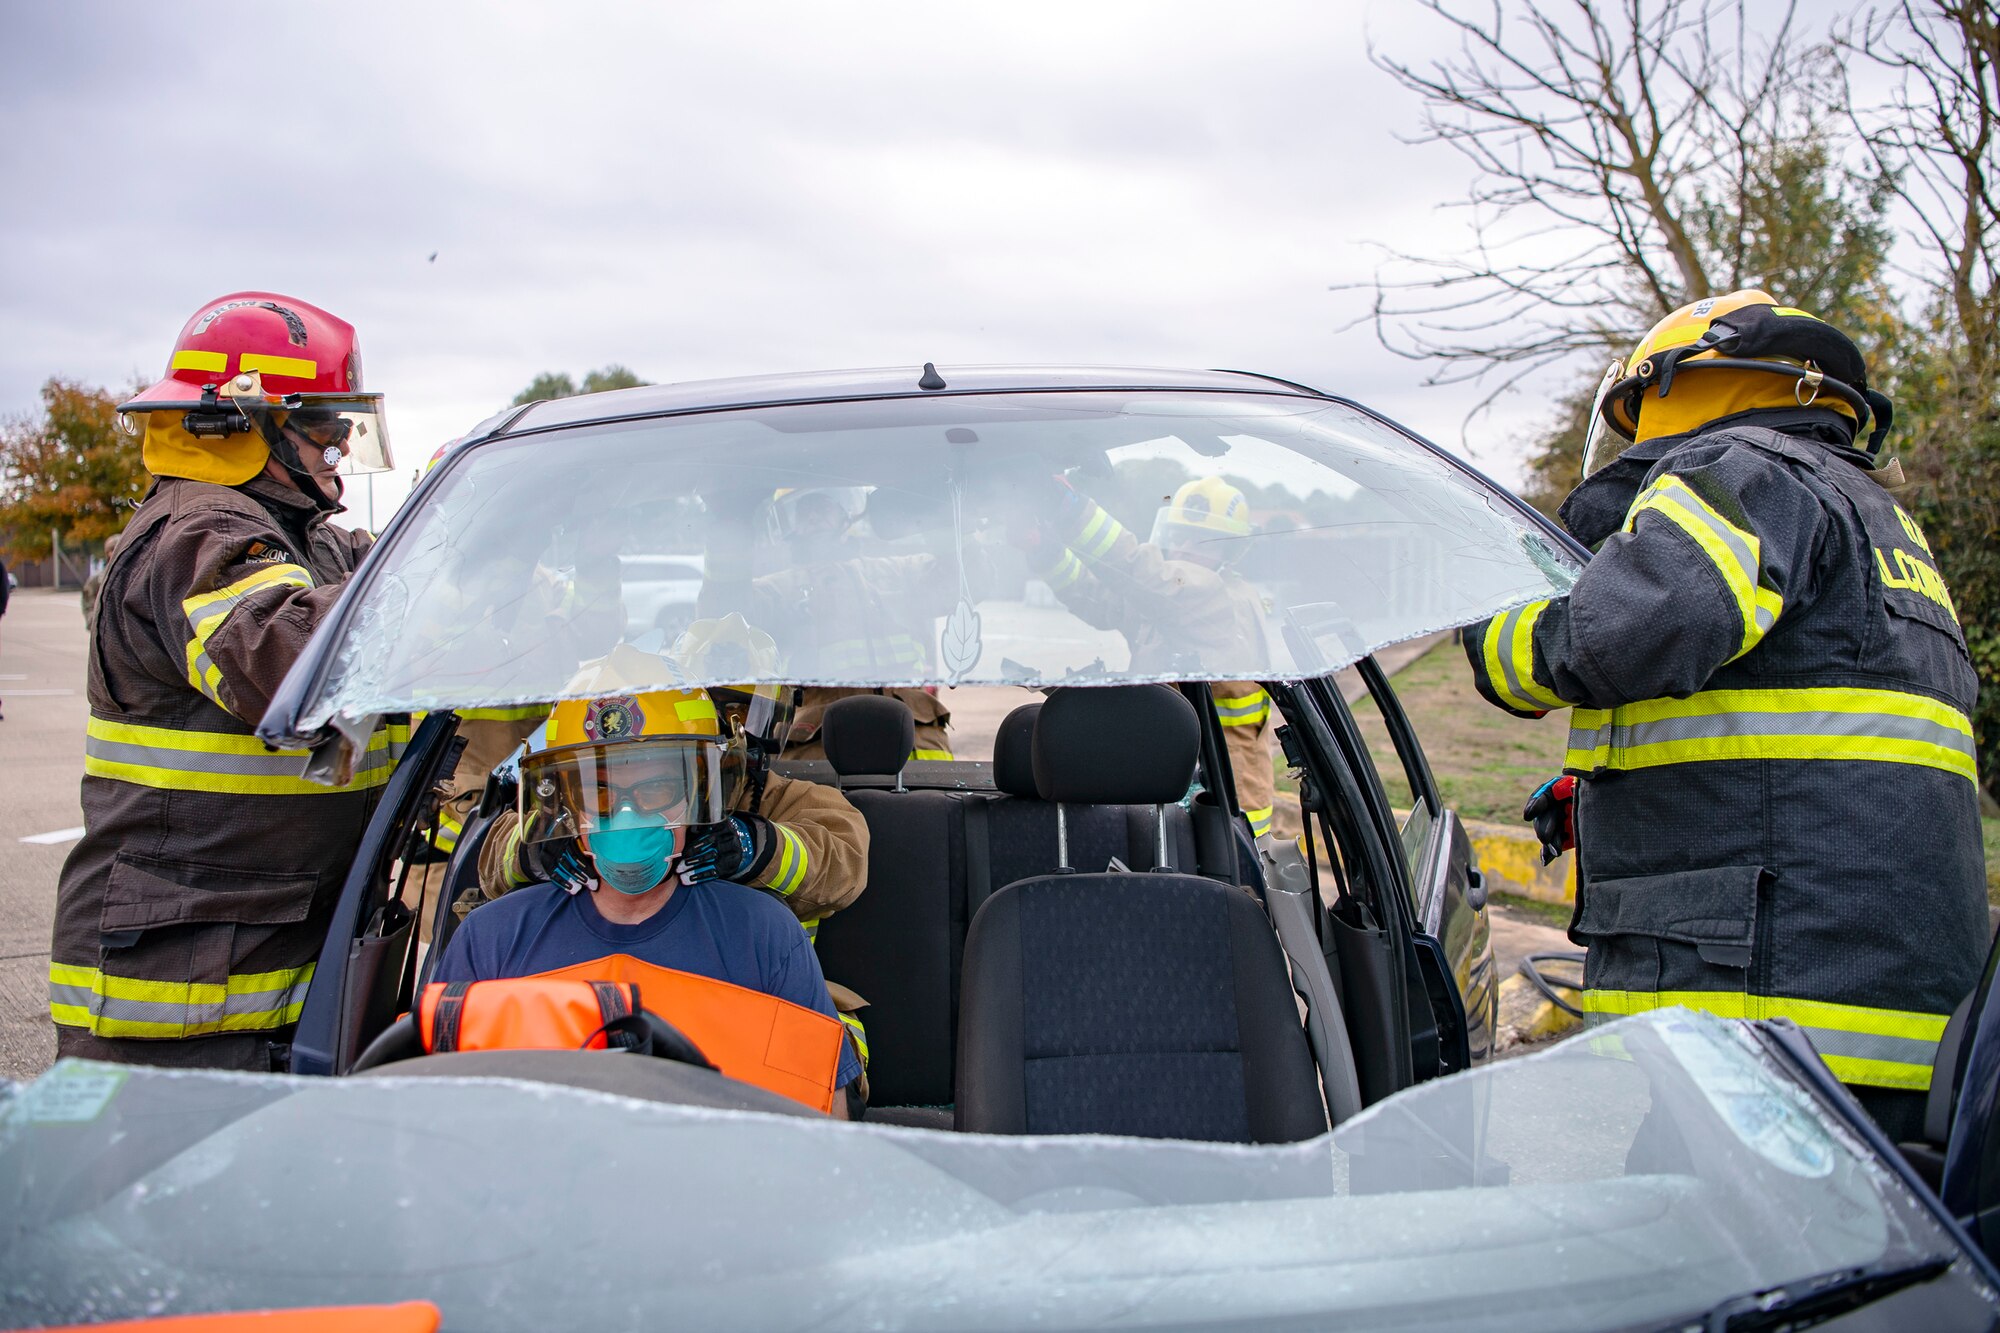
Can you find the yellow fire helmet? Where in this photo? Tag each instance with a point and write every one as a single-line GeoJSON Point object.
{"type": "Point", "coordinates": [1727, 354]}
{"type": "Point", "coordinates": [727, 646]}
{"type": "Point", "coordinates": [625, 762]}
{"type": "Point", "coordinates": [1206, 514]}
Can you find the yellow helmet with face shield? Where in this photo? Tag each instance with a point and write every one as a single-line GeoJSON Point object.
{"type": "Point", "coordinates": [1723, 355]}
{"type": "Point", "coordinates": [1205, 518]}
{"type": "Point", "coordinates": [729, 646]}
{"type": "Point", "coordinates": [624, 774]}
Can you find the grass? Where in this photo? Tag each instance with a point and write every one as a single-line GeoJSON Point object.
{"type": "Point", "coordinates": [1534, 909]}
{"type": "Point", "coordinates": [1990, 834]}
{"type": "Point", "coordinates": [1486, 762]}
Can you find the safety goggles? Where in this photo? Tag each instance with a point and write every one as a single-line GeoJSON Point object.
{"type": "Point", "coordinates": [674, 781]}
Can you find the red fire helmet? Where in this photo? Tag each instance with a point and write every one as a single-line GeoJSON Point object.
{"type": "Point", "coordinates": [295, 347]}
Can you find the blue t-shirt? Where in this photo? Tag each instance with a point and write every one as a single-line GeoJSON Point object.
{"type": "Point", "coordinates": [713, 929]}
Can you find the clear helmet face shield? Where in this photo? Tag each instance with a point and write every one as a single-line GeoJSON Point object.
{"type": "Point", "coordinates": [344, 430]}
{"type": "Point", "coordinates": [348, 423]}
{"type": "Point", "coordinates": [669, 782]}
{"type": "Point", "coordinates": [1603, 442]}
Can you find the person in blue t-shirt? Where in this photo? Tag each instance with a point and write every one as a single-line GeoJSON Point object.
{"type": "Point", "coordinates": [626, 776]}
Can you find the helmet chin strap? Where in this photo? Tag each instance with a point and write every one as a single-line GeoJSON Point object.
{"type": "Point", "coordinates": [287, 454]}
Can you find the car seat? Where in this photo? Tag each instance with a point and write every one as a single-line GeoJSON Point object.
{"type": "Point", "coordinates": [1150, 1002]}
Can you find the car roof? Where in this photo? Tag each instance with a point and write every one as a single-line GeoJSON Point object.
{"type": "Point", "coordinates": [879, 382]}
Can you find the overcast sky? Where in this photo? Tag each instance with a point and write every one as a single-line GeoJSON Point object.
{"type": "Point", "coordinates": [721, 190]}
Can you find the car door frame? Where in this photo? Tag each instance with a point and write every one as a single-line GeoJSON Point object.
{"type": "Point", "coordinates": [1450, 891]}
{"type": "Point", "coordinates": [326, 1040]}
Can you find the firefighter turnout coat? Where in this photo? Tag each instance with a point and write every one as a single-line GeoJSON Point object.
{"type": "Point", "coordinates": [198, 899]}
{"type": "Point", "coordinates": [1777, 815]}
{"type": "Point", "coordinates": [1176, 615]}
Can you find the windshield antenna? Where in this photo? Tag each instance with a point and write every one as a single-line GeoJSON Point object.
{"type": "Point", "coordinates": [931, 379]}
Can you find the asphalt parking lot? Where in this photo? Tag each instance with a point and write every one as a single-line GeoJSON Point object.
{"type": "Point", "coordinates": [42, 647]}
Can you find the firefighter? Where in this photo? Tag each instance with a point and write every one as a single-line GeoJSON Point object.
{"type": "Point", "coordinates": [802, 841]}
{"type": "Point", "coordinates": [1770, 776]}
{"type": "Point", "coordinates": [189, 915]}
{"type": "Point", "coordinates": [631, 782]}
{"type": "Point", "coordinates": [1178, 601]}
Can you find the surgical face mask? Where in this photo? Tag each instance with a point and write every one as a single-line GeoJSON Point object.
{"type": "Point", "coordinates": [632, 852]}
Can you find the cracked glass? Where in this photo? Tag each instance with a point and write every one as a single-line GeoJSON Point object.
{"type": "Point", "coordinates": [983, 539]}
{"type": "Point", "coordinates": [1633, 1177]}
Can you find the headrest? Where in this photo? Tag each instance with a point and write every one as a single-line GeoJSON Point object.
{"type": "Point", "coordinates": [1120, 745]}
{"type": "Point", "coordinates": [868, 735]}
{"type": "Point", "coordinates": [1014, 752]}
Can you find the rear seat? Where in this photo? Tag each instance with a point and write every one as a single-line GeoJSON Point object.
{"type": "Point", "coordinates": [899, 945]}
{"type": "Point", "coordinates": [934, 857]}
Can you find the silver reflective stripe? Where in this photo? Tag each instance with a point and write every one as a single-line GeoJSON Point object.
{"type": "Point", "coordinates": [1724, 531]}
{"type": "Point", "coordinates": [278, 765]}
{"type": "Point", "coordinates": [83, 997]}
{"type": "Point", "coordinates": [1505, 653]}
{"type": "Point", "coordinates": [1628, 735]}
{"type": "Point", "coordinates": [1832, 1042]}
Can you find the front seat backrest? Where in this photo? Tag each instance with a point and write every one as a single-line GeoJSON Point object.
{"type": "Point", "coordinates": [868, 739]}
{"type": "Point", "coordinates": [1152, 1003]}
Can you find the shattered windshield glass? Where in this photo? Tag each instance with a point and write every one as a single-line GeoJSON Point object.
{"type": "Point", "coordinates": [1016, 539]}
{"type": "Point", "coordinates": [1628, 1178]}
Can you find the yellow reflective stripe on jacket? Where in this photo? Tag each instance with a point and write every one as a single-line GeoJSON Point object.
{"type": "Point", "coordinates": [215, 761]}
{"type": "Point", "coordinates": [1244, 710]}
{"type": "Point", "coordinates": [1508, 649]}
{"type": "Point", "coordinates": [449, 826]}
{"type": "Point", "coordinates": [934, 755]}
{"type": "Point", "coordinates": [1068, 570]}
{"type": "Point", "coordinates": [787, 870]}
{"type": "Point", "coordinates": [114, 1006]}
{"type": "Point", "coordinates": [1260, 821]}
{"type": "Point", "coordinates": [1736, 554]}
{"type": "Point", "coordinates": [518, 713]}
{"type": "Point", "coordinates": [1100, 533]}
{"type": "Point", "coordinates": [1882, 1048]}
{"type": "Point", "coordinates": [860, 1035]}
{"type": "Point", "coordinates": [205, 614]}
{"type": "Point", "coordinates": [1877, 726]}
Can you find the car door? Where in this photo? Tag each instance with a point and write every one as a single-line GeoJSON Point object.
{"type": "Point", "coordinates": [365, 972]}
{"type": "Point", "coordinates": [1965, 1112]}
{"type": "Point", "coordinates": [1454, 935]}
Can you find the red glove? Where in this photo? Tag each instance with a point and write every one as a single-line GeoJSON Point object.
{"type": "Point", "coordinates": [1553, 810]}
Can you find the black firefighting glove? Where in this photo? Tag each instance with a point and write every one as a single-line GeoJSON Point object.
{"type": "Point", "coordinates": [1553, 810]}
{"type": "Point", "coordinates": [735, 849]}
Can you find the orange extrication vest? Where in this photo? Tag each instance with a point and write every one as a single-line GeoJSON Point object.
{"type": "Point", "coordinates": [746, 1034]}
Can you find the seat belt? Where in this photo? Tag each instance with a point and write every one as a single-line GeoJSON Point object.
{"type": "Point", "coordinates": [978, 853]}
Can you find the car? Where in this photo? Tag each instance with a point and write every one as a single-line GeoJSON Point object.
{"type": "Point", "coordinates": [1130, 1065]}
{"type": "Point", "coordinates": [660, 592]}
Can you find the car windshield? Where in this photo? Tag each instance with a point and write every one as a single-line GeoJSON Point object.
{"type": "Point", "coordinates": [979, 539]}
{"type": "Point", "coordinates": [1630, 1177]}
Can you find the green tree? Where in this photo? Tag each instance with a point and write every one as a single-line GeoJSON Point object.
{"type": "Point", "coordinates": [557, 384]}
{"type": "Point", "coordinates": [72, 472]}
{"type": "Point", "coordinates": [613, 376]}
{"type": "Point", "coordinates": [1935, 135]}
{"type": "Point", "coordinates": [1797, 223]}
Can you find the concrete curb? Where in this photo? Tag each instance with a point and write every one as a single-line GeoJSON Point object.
{"type": "Point", "coordinates": [1511, 860]}
{"type": "Point", "coordinates": [1528, 1016]}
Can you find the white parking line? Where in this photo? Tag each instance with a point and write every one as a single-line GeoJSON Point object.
{"type": "Point", "coordinates": [13, 677]}
{"type": "Point", "coordinates": [60, 835]}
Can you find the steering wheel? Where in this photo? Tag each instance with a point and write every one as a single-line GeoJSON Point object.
{"type": "Point", "coordinates": [643, 1033]}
